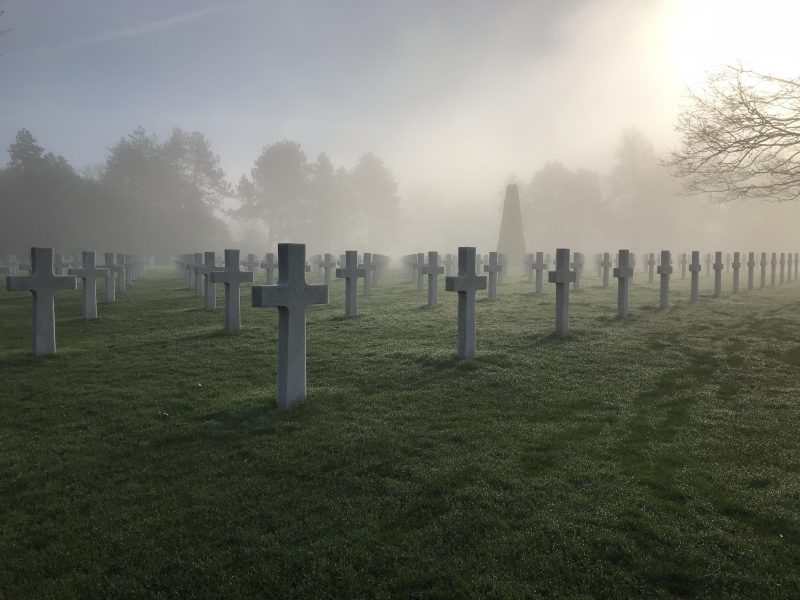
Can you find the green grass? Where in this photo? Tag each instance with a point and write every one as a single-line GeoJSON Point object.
{"type": "Point", "coordinates": [653, 457]}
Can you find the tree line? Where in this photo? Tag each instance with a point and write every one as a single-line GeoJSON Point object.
{"type": "Point", "coordinates": [162, 197]}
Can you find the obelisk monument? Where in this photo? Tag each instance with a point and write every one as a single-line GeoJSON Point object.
{"type": "Point", "coordinates": [511, 241]}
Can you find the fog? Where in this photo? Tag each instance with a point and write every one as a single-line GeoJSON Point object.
{"type": "Point", "coordinates": [574, 101]}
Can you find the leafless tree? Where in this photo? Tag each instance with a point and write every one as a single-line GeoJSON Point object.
{"type": "Point", "coordinates": [741, 138]}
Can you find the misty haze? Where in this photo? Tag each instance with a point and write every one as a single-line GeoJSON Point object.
{"type": "Point", "coordinates": [536, 272]}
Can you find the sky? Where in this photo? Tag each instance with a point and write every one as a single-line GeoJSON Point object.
{"type": "Point", "coordinates": [454, 95]}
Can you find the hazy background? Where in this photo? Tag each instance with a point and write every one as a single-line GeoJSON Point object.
{"type": "Point", "coordinates": [457, 98]}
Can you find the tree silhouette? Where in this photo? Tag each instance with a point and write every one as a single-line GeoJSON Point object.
{"type": "Point", "coordinates": [741, 138]}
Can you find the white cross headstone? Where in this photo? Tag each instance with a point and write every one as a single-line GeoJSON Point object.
{"type": "Point", "coordinates": [502, 261]}
{"type": "Point", "coordinates": [291, 295]}
{"type": "Point", "coordinates": [114, 271]}
{"type": "Point", "coordinates": [493, 268]}
{"type": "Point", "coordinates": [708, 264]}
{"type": "Point", "coordinates": [328, 267]}
{"type": "Point", "coordinates": [232, 278]}
{"type": "Point", "coordinates": [42, 284]}
{"type": "Point", "coordinates": [433, 270]}
{"type": "Point", "coordinates": [694, 269]}
{"type": "Point", "coordinates": [736, 265]}
{"type": "Point", "coordinates": [683, 265]}
{"type": "Point", "coordinates": [251, 264]}
{"type": "Point", "coordinates": [577, 264]}
{"type": "Point", "coordinates": [651, 263]}
{"type": "Point", "coordinates": [718, 266]}
{"type": "Point", "coordinates": [350, 273]}
{"type": "Point", "coordinates": [129, 268]}
{"type": "Point", "coordinates": [773, 265]}
{"type": "Point", "coordinates": [466, 284]}
{"type": "Point", "coordinates": [539, 267]}
{"type": "Point", "coordinates": [209, 287]}
{"type": "Point", "coordinates": [478, 264]}
{"type": "Point", "coordinates": [60, 264]}
{"type": "Point", "coordinates": [562, 277]}
{"type": "Point", "coordinates": [783, 267]}
{"type": "Point", "coordinates": [369, 268]}
{"type": "Point", "coordinates": [605, 265]}
{"type": "Point", "coordinates": [664, 271]}
{"type": "Point", "coordinates": [751, 264]}
{"type": "Point", "coordinates": [448, 263]}
{"type": "Point", "coordinates": [789, 268]}
{"type": "Point", "coordinates": [763, 264]}
{"type": "Point", "coordinates": [624, 275]}
{"type": "Point", "coordinates": [89, 273]}
{"type": "Point", "coordinates": [270, 266]}
{"type": "Point", "coordinates": [529, 261]}
{"type": "Point", "coordinates": [419, 264]}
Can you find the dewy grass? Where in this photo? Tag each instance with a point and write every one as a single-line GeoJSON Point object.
{"type": "Point", "coordinates": [654, 456]}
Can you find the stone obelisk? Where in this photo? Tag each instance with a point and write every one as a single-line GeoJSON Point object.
{"type": "Point", "coordinates": [511, 241]}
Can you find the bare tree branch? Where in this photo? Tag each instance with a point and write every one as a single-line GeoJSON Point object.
{"type": "Point", "coordinates": [741, 138]}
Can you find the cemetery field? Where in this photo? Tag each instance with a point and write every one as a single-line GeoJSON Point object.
{"type": "Point", "coordinates": [657, 456]}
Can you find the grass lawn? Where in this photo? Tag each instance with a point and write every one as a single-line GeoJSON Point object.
{"type": "Point", "coordinates": [653, 457]}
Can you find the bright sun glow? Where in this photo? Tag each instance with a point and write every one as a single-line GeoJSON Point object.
{"type": "Point", "coordinates": [762, 35]}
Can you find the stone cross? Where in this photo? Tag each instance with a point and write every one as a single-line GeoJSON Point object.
{"type": "Point", "coordinates": [251, 264]}
{"type": "Point", "coordinates": [291, 295]}
{"type": "Point", "coordinates": [350, 274]}
{"type": "Point", "coordinates": [727, 261]}
{"type": "Point", "coordinates": [694, 270]}
{"type": "Point", "coordinates": [270, 266]}
{"type": "Point", "coordinates": [466, 284]}
{"type": "Point", "coordinates": [129, 268]}
{"type": "Point", "coordinates": [42, 284]}
{"type": "Point", "coordinates": [773, 264]}
{"type": "Point", "coordinates": [529, 261]}
{"type": "Point", "coordinates": [433, 270]}
{"type": "Point", "coordinates": [562, 277]}
{"type": "Point", "coordinates": [598, 261]}
{"type": "Point", "coordinates": [448, 263]}
{"type": "Point", "coordinates": [683, 265]}
{"type": "Point", "coordinates": [418, 265]}
{"type": "Point", "coordinates": [577, 264]}
{"type": "Point", "coordinates": [60, 264]}
{"type": "Point", "coordinates": [736, 265]}
{"type": "Point", "coordinates": [718, 266]}
{"type": "Point", "coordinates": [783, 267]}
{"type": "Point", "coordinates": [789, 268]}
{"type": "Point", "coordinates": [197, 277]}
{"type": "Point", "coordinates": [624, 274]}
{"type": "Point", "coordinates": [502, 261]}
{"type": "Point", "coordinates": [751, 263]}
{"type": "Point", "coordinates": [651, 265]}
{"type": "Point", "coordinates": [233, 278]}
{"type": "Point", "coordinates": [209, 288]}
{"type": "Point", "coordinates": [605, 266]}
{"type": "Point", "coordinates": [113, 270]}
{"type": "Point", "coordinates": [369, 269]}
{"type": "Point", "coordinates": [708, 264]}
{"type": "Point", "coordinates": [540, 266]}
{"type": "Point", "coordinates": [664, 271]}
{"type": "Point", "coordinates": [317, 263]}
{"type": "Point", "coordinates": [89, 273]}
{"type": "Point", "coordinates": [478, 264]}
{"type": "Point", "coordinates": [763, 265]}
{"type": "Point", "coordinates": [493, 268]}
{"type": "Point", "coordinates": [328, 267]}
